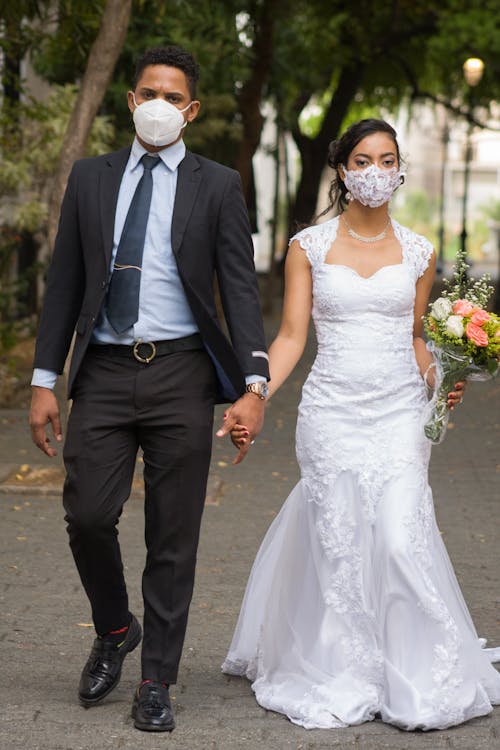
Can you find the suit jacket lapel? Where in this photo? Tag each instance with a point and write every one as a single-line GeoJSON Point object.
{"type": "Point", "coordinates": [109, 186]}
{"type": "Point", "coordinates": [188, 182]}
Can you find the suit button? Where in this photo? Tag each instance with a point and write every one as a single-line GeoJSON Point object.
{"type": "Point", "coordinates": [103, 285]}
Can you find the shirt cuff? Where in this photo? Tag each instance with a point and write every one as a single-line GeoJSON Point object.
{"type": "Point", "coordinates": [44, 378]}
{"type": "Point", "coordinates": [254, 379]}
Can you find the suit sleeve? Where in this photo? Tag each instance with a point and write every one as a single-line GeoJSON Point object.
{"type": "Point", "coordinates": [65, 287]}
{"type": "Point", "coordinates": [237, 279]}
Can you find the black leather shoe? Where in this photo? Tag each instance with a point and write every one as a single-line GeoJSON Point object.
{"type": "Point", "coordinates": [151, 709]}
{"type": "Point", "coordinates": [102, 672]}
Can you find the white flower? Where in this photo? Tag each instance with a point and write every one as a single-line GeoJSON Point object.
{"type": "Point", "coordinates": [455, 326]}
{"type": "Point", "coordinates": [441, 308]}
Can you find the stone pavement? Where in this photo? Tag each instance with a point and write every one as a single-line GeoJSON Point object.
{"type": "Point", "coordinates": [45, 632]}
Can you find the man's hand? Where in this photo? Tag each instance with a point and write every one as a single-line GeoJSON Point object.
{"type": "Point", "coordinates": [44, 410]}
{"type": "Point", "coordinates": [249, 411]}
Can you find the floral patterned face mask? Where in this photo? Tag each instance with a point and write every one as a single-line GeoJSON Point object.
{"type": "Point", "coordinates": [372, 186]}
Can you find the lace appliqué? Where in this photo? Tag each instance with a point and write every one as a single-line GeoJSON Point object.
{"type": "Point", "coordinates": [446, 672]}
{"type": "Point", "coordinates": [417, 250]}
{"type": "Point", "coordinates": [317, 240]}
{"type": "Point", "coordinates": [240, 667]}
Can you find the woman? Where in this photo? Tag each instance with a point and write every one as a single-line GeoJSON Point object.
{"type": "Point", "coordinates": [352, 609]}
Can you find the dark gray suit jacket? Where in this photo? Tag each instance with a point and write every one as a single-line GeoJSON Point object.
{"type": "Point", "coordinates": [210, 236]}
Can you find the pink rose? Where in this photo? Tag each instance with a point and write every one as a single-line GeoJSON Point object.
{"type": "Point", "coordinates": [479, 317]}
{"type": "Point", "coordinates": [462, 307]}
{"type": "Point", "coordinates": [476, 334]}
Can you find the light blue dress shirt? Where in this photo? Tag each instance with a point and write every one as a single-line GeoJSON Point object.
{"type": "Point", "coordinates": [164, 312]}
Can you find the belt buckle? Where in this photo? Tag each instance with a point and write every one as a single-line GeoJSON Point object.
{"type": "Point", "coordinates": [144, 360]}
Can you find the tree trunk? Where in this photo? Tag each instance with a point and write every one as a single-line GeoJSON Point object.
{"type": "Point", "coordinates": [251, 92]}
{"type": "Point", "coordinates": [313, 151]}
{"type": "Point", "coordinates": [11, 81]}
{"type": "Point", "coordinates": [100, 66]}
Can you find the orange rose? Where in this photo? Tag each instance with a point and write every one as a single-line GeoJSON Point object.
{"type": "Point", "coordinates": [476, 334]}
{"type": "Point", "coordinates": [463, 307]}
{"type": "Point", "coordinates": [479, 317]}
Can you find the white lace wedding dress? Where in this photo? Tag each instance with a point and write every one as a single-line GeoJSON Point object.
{"type": "Point", "coordinates": [352, 609]}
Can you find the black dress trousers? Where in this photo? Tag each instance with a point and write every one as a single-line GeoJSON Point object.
{"type": "Point", "coordinates": [166, 408]}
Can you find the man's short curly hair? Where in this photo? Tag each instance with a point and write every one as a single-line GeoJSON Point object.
{"type": "Point", "coordinates": [174, 57]}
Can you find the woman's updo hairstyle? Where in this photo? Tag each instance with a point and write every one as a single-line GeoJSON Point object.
{"type": "Point", "coordinates": [339, 151]}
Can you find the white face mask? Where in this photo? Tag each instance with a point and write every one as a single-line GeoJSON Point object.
{"type": "Point", "coordinates": [158, 122]}
{"type": "Point", "coordinates": [372, 186]}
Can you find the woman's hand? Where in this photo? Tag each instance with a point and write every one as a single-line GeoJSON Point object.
{"type": "Point", "coordinates": [239, 435]}
{"type": "Point", "coordinates": [455, 397]}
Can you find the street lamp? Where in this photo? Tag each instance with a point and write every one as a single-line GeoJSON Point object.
{"type": "Point", "coordinates": [473, 69]}
{"type": "Point", "coordinates": [445, 138]}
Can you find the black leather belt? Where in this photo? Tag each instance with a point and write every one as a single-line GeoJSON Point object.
{"type": "Point", "coordinates": [146, 351]}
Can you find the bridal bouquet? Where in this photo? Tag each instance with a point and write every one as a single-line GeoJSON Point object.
{"type": "Point", "coordinates": [464, 340]}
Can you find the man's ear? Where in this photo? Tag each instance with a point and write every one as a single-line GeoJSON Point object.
{"type": "Point", "coordinates": [130, 100]}
{"type": "Point", "coordinates": [193, 110]}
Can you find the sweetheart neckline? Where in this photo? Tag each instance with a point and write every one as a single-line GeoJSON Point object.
{"type": "Point", "coordinates": [365, 278]}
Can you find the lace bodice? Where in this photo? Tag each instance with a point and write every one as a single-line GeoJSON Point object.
{"type": "Point", "coordinates": [370, 315]}
{"type": "Point", "coordinates": [318, 239]}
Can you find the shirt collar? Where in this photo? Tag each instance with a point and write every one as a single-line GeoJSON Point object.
{"type": "Point", "coordinates": [170, 156]}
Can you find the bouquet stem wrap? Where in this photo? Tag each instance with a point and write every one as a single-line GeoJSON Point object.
{"type": "Point", "coordinates": [452, 365]}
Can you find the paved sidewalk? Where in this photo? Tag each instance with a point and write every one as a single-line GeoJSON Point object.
{"type": "Point", "coordinates": [44, 619]}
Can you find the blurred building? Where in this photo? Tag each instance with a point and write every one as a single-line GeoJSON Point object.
{"type": "Point", "coordinates": [433, 142]}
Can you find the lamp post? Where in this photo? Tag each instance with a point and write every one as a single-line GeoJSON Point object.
{"type": "Point", "coordinates": [473, 69]}
{"type": "Point", "coordinates": [496, 298]}
{"type": "Point", "coordinates": [444, 140]}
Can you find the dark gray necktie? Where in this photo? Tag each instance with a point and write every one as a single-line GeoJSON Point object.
{"type": "Point", "coordinates": [123, 293]}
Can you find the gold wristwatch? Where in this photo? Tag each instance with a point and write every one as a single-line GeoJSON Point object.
{"type": "Point", "coordinates": [260, 389]}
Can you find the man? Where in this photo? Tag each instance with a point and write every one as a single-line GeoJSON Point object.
{"type": "Point", "coordinates": [142, 233]}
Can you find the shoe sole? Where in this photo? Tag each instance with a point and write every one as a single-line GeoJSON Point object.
{"type": "Point", "coordinates": [153, 727]}
{"type": "Point", "coordinates": [88, 702]}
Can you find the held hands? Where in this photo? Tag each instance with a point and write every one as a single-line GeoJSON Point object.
{"type": "Point", "coordinates": [44, 410]}
{"type": "Point", "coordinates": [245, 418]}
{"type": "Point", "coordinates": [241, 439]}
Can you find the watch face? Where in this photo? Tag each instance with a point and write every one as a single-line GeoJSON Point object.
{"type": "Point", "coordinates": [260, 389]}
